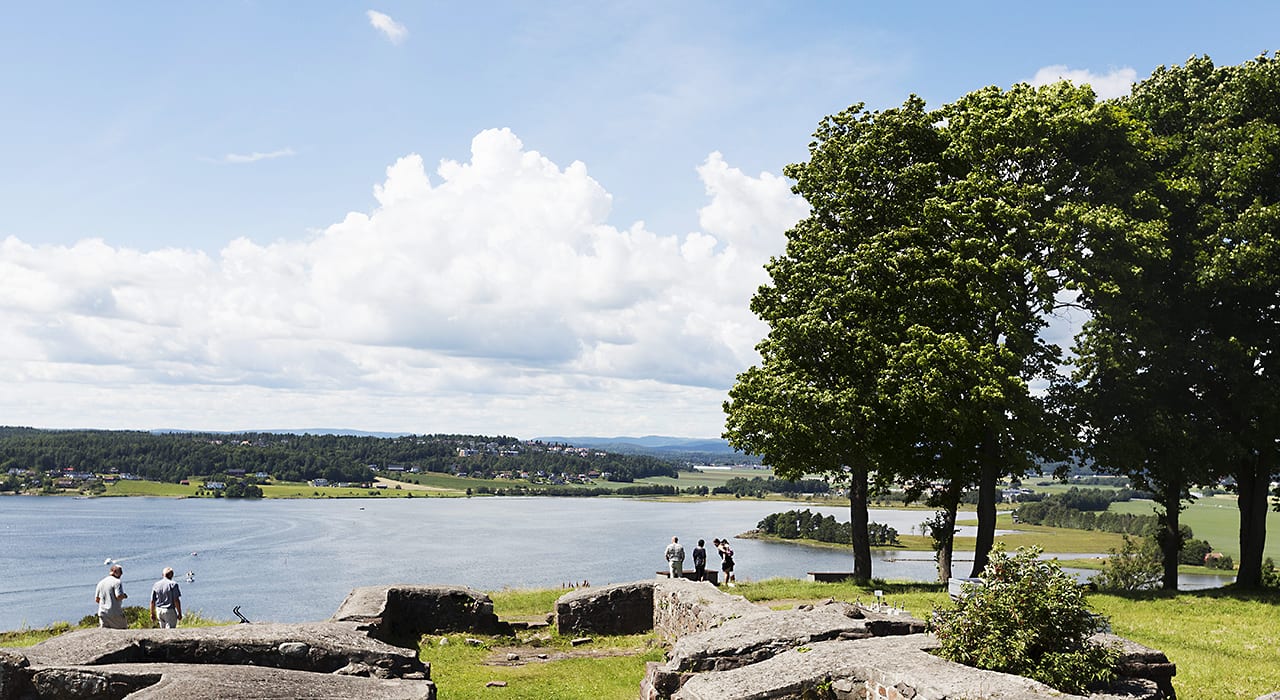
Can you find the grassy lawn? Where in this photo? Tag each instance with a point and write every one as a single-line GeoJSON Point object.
{"type": "Point", "coordinates": [1223, 642]}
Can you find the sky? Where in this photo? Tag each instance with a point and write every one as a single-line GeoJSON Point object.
{"type": "Point", "coordinates": [516, 218]}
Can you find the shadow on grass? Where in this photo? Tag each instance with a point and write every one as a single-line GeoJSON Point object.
{"type": "Point", "coordinates": [1227, 592]}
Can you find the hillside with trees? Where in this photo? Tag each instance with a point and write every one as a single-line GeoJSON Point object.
{"type": "Point", "coordinates": [172, 457]}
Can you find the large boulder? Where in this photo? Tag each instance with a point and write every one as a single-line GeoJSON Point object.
{"type": "Point", "coordinates": [625, 608]}
{"type": "Point", "coordinates": [405, 612]}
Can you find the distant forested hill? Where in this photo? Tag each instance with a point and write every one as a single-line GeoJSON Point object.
{"type": "Point", "coordinates": [705, 450]}
{"type": "Point", "coordinates": [293, 457]}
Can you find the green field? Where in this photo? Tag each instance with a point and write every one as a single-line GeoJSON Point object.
{"type": "Point", "coordinates": [1216, 519]}
{"type": "Point", "coordinates": [710, 478]}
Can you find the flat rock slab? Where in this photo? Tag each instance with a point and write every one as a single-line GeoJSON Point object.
{"type": "Point", "coordinates": [901, 663]}
{"type": "Point", "coordinates": [206, 682]}
{"type": "Point", "coordinates": [319, 647]}
{"type": "Point", "coordinates": [760, 635]}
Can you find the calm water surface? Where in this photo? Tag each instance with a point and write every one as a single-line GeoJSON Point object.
{"type": "Point", "coordinates": [290, 561]}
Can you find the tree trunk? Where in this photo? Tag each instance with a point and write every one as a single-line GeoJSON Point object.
{"type": "Point", "coordinates": [990, 474]}
{"type": "Point", "coordinates": [1170, 537]}
{"type": "Point", "coordinates": [858, 519]}
{"type": "Point", "coordinates": [946, 538]}
{"type": "Point", "coordinates": [1253, 485]}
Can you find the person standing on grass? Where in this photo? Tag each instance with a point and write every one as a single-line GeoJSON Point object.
{"type": "Point", "coordinates": [166, 601]}
{"type": "Point", "coordinates": [107, 595]}
{"type": "Point", "coordinates": [675, 558]}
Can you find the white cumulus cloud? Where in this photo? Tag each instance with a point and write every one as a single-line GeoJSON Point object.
{"type": "Point", "coordinates": [393, 30]}
{"type": "Point", "coordinates": [486, 295]}
{"type": "Point", "coordinates": [1116, 83]}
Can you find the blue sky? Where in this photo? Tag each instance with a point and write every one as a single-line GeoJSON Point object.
{"type": "Point", "coordinates": [521, 218]}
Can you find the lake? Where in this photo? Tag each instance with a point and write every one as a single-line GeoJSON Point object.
{"type": "Point", "coordinates": [295, 560]}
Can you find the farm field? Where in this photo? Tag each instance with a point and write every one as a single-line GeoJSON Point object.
{"type": "Point", "coordinates": [1216, 519]}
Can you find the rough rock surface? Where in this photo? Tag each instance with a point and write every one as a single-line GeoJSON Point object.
{"type": "Point", "coordinates": [405, 612]}
{"type": "Point", "coordinates": [763, 634]}
{"type": "Point", "coordinates": [317, 647]}
{"type": "Point", "coordinates": [850, 668]}
{"type": "Point", "coordinates": [684, 607]}
{"type": "Point", "coordinates": [213, 682]}
{"type": "Point", "coordinates": [728, 649]}
{"type": "Point", "coordinates": [625, 608]}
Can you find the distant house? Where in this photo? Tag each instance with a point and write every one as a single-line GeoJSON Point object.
{"type": "Point", "coordinates": [215, 485]}
{"type": "Point", "coordinates": [319, 482]}
{"type": "Point", "coordinates": [235, 472]}
{"type": "Point", "coordinates": [261, 475]}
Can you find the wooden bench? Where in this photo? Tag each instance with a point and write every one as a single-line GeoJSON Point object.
{"type": "Point", "coordinates": [708, 575]}
{"type": "Point", "coordinates": [830, 576]}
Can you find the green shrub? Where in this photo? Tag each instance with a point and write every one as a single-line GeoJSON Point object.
{"type": "Point", "coordinates": [1223, 562]}
{"type": "Point", "coordinates": [1030, 619]}
{"type": "Point", "coordinates": [1135, 567]}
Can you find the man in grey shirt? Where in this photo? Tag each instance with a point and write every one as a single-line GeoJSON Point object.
{"type": "Point", "coordinates": [107, 595]}
{"type": "Point", "coordinates": [675, 558]}
{"type": "Point", "coordinates": [166, 601]}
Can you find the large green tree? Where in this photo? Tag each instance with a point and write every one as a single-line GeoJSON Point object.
{"type": "Point", "coordinates": [814, 404]}
{"type": "Point", "coordinates": [1179, 366]}
{"type": "Point", "coordinates": [907, 316]}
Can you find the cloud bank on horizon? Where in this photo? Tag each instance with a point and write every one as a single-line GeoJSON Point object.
{"type": "Point", "coordinates": [494, 297]}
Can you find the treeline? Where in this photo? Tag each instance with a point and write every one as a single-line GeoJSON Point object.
{"type": "Point", "coordinates": [288, 457]}
{"type": "Point", "coordinates": [807, 525]}
{"type": "Point", "coordinates": [1086, 509]}
{"type": "Point", "coordinates": [579, 492]}
{"type": "Point", "coordinates": [757, 486]}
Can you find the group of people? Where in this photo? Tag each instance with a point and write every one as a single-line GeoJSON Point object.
{"type": "Point", "coordinates": [166, 600]}
{"type": "Point", "coordinates": [675, 559]}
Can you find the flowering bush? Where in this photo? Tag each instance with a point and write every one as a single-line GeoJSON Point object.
{"type": "Point", "coordinates": [1030, 619]}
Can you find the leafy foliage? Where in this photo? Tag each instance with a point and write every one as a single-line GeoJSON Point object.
{"type": "Point", "coordinates": [1134, 567]}
{"type": "Point", "coordinates": [1029, 618]}
{"type": "Point", "coordinates": [804, 524]}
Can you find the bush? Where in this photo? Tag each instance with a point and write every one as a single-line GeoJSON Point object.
{"type": "Point", "coordinates": [1135, 567]}
{"type": "Point", "coordinates": [1031, 619]}
{"type": "Point", "coordinates": [1223, 562]}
